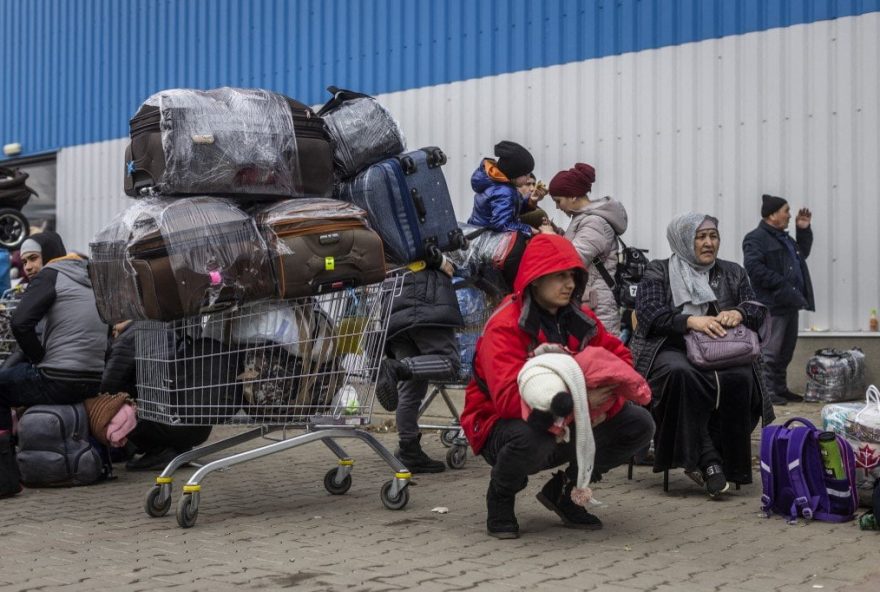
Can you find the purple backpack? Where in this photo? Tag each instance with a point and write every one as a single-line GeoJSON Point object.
{"type": "Point", "coordinates": [795, 480]}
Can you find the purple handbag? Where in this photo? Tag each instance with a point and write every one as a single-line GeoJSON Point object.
{"type": "Point", "coordinates": [739, 347]}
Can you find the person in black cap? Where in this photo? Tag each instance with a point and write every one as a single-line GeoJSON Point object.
{"type": "Point", "coordinates": [777, 268]}
{"type": "Point", "coordinates": [64, 362]}
{"type": "Point", "coordinates": [497, 203]}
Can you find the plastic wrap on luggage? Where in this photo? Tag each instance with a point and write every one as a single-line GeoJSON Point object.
{"type": "Point", "coordinates": [163, 259]}
{"type": "Point", "coordinates": [483, 262]}
{"type": "Point", "coordinates": [835, 375]}
{"type": "Point", "coordinates": [213, 137]}
{"type": "Point", "coordinates": [306, 212]}
{"type": "Point", "coordinates": [364, 133]}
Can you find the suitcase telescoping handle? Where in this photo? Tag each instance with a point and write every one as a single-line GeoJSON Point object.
{"type": "Point", "coordinates": [419, 203]}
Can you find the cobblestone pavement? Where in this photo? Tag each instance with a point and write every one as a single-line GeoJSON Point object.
{"type": "Point", "coordinates": [270, 524]}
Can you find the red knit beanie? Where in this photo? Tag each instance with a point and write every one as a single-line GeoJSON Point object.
{"type": "Point", "coordinates": [575, 182]}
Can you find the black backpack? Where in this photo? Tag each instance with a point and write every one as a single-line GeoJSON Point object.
{"type": "Point", "coordinates": [631, 264]}
{"type": "Point", "coordinates": [56, 449]}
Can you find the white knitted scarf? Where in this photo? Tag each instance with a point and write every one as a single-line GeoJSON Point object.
{"type": "Point", "coordinates": [536, 397]}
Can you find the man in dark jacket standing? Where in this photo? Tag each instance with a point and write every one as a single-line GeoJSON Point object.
{"type": "Point", "coordinates": [421, 348]}
{"type": "Point", "coordinates": [65, 361]}
{"type": "Point", "coordinates": [777, 268]}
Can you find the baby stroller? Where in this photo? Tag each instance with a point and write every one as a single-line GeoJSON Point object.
{"type": "Point", "coordinates": [14, 195]}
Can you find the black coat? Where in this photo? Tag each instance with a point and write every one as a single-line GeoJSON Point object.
{"type": "Point", "coordinates": [658, 317]}
{"type": "Point", "coordinates": [426, 300]}
{"type": "Point", "coordinates": [120, 370]}
{"type": "Point", "coordinates": [772, 271]}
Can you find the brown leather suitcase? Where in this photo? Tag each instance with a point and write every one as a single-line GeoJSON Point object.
{"type": "Point", "coordinates": [195, 255]}
{"type": "Point", "coordinates": [227, 141]}
{"type": "Point", "coordinates": [320, 245]}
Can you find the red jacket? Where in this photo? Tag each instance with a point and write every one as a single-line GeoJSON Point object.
{"type": "Point", "coordinates": [513, 332]}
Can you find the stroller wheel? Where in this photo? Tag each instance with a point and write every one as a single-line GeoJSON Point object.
{"type": "Point", "coordinates": [14, 228]}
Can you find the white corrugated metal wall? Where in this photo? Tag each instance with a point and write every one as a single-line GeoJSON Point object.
{"type": "Point", "coordinates": [706, 126]}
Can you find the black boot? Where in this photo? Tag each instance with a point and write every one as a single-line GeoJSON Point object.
{"type": "Point", "coordinates": [411, 454]}
{"type": "Point", "coordinates": [390, 373]}
{"type": "Point", "coordinates": [556, 497]}
{"type": "Point", "coordinates": [500, 518]}
{"type": "Point", "coordinates": [716, 482]}
{"type": "Point", "coordinates": [10, 478]}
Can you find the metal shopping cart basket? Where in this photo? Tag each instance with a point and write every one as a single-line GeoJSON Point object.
{"type": "Point", "coordinates": [8, 302]}
{"type": "Point", "coordinates": [308, 364]}
{"type": "Point", "coordinates": [476, 308]}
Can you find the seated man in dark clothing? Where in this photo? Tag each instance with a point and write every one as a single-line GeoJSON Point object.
{"type": "Point", "coordinates": [65, 361]}
{"type": "Point", "coordinates": [158, 442]}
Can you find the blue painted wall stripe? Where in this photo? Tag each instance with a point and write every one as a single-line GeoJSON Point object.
{"type": "Point", "coordinates": [75, 70]}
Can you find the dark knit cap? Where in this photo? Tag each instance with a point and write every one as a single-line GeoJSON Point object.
{"type": "Point", "coordinates": [771, 204]}
{"type": "Point", "coordinates": [513, 160]}
{"type": "Point", "coordinates": [575, 182]}
{"type": "Point", "coordinates": [51, 244]}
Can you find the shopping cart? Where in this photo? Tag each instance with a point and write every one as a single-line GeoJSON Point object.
{"type": "Point", "coordinates": [476, 308]}
{"type": "Point", "coordinates": [308, 364]}
{"type": "Point", "coordinates": [8, 302]}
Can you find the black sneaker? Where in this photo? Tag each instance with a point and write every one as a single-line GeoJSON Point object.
{"type": "Point", "coordinates": [10, 479]}
{"type": "Point", "coordinates": [411, 454]}
{"type": "Point", "coordinates": [501, 520]}
{"type": "Point", "coordinates": [386, 384]}
{"type": "Point", "coordinates": [778, 401]}
{"type": "Point", "coordinates": [716, 482]}
{"type": "Point", "coordinates": [792, 397]}
{"type": "Point", "coordinates": [556, 497]}
{"type": "Point", "coordinates": [153, 460]}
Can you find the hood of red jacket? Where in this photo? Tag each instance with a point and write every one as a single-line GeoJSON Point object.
{"type": "Point", "coordinates": [546, 254]}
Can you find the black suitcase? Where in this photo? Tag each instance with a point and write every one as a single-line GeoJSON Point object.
{"type": "Point", "coordinates": [408, 204]}
{"type": "Point", "coordinates": [231, 141]}
{"type": "Point", "coordinates": [363, 131]}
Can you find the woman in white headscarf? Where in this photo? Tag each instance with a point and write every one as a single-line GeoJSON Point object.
{"type": "Point", "coordinates": [704, 417]}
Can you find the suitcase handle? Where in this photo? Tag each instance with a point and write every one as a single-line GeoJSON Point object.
{"type": "Point", "coordinates": [419, 203]}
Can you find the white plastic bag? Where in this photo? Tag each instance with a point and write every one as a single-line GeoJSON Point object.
{"type": "Point", "coordinates": [866, 423]}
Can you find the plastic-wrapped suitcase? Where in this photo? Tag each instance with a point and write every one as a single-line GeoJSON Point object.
{"type": "Point", "coordinates": [167, 259]}
{"type": "Point", "coordinates": [835, 375]}
{"type": "Point", "coordinates": [232, 141]}
{"type": "Point", "coordinates": [320, 245]}
{"type": "Point", "coordinates": [408, 204]}
{"type": "Point", "coordinates": [363, 131]}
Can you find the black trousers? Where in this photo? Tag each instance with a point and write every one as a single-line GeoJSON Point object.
{"type": "Point", "coordinates": [779, 349]}
{"type": "Point", "coordinates": [516, 450]}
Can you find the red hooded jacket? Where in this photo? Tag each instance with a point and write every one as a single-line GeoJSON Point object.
{"type": "Point", "coordinates": [513, 332]}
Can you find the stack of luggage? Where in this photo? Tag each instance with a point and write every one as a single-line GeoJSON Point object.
{"type": "Point", "coordinates": [245, 195]}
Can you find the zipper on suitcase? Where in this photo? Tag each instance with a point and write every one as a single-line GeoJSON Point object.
{"type": "Point", "coordinates": [319, 228]}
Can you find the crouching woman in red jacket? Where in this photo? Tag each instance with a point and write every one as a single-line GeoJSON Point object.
{"type": "Point", "coordinates": [543, 309]}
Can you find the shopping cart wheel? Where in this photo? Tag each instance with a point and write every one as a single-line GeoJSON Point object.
{"type": "Point", "coordinates": [394, 503]}
{"type": "Point", "coordinates": [332, 486]}
{"type": "Point", "coordinates": [187, 510]}
{"type": "Point", "coordinates": [447, 437]}
{"type": "Point", "coordinates": [154, 505]}
{"type": "Point", "coordinates": [456, 457]}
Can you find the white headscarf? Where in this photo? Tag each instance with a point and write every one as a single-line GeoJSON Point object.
{"type": "Point", "coordinates": [688, 279]}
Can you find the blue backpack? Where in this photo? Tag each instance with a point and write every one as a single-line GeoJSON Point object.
{"type": "Point", "coordinates": [794, 478]}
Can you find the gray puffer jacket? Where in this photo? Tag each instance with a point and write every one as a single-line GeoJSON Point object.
{"type": "Point", "coordinates": [593, 232]}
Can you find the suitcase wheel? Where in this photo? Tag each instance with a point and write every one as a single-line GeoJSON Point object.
{"type": "Point", "coordinates": [408, 165]}
{"type": "Point", "coordinates": [436, 157]}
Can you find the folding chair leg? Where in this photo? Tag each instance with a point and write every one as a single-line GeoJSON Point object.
{"type": "Point", "coordinates": [737, 486]}
{"type": "Point", "coordinates": [666, 480]}
{"type": "Point", "coordinates": [629, 470]}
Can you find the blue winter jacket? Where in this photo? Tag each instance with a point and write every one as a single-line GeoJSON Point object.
{"type": "Point", "coordinates": [497, 205]}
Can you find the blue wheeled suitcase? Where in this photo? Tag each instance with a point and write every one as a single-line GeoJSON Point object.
{"type": "Point", "coordinates": [408, 204]}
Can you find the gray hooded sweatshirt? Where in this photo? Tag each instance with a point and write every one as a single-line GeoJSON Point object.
{"type": "Point", "coordinates": [74, 338]}
{"type": "Point", "coordinates": [593, 232]}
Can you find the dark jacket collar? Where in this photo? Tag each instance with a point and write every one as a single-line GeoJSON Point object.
{"type": "Point", "coordinates": [577, 323]}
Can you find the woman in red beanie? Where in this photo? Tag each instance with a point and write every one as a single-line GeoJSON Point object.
{"type": "Point", "coordinates": [595, 225]}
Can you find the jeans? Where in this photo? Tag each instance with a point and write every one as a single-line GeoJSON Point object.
{"type": "Point", "coordinates": [23, 385]}
{"type": "Point", "coordinates": [516, 450]}
{"type": "Point", "coordinates": [778, 350]}
{"type": "Point", "coordinates": [431, 354]}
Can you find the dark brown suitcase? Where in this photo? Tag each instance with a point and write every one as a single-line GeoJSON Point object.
{"type": "Point", "coordinates": [198, 255]}
{"type": "Point", "coordinates": [224, 156]}
{"type": "Point", "coordinates": [320, 245]}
